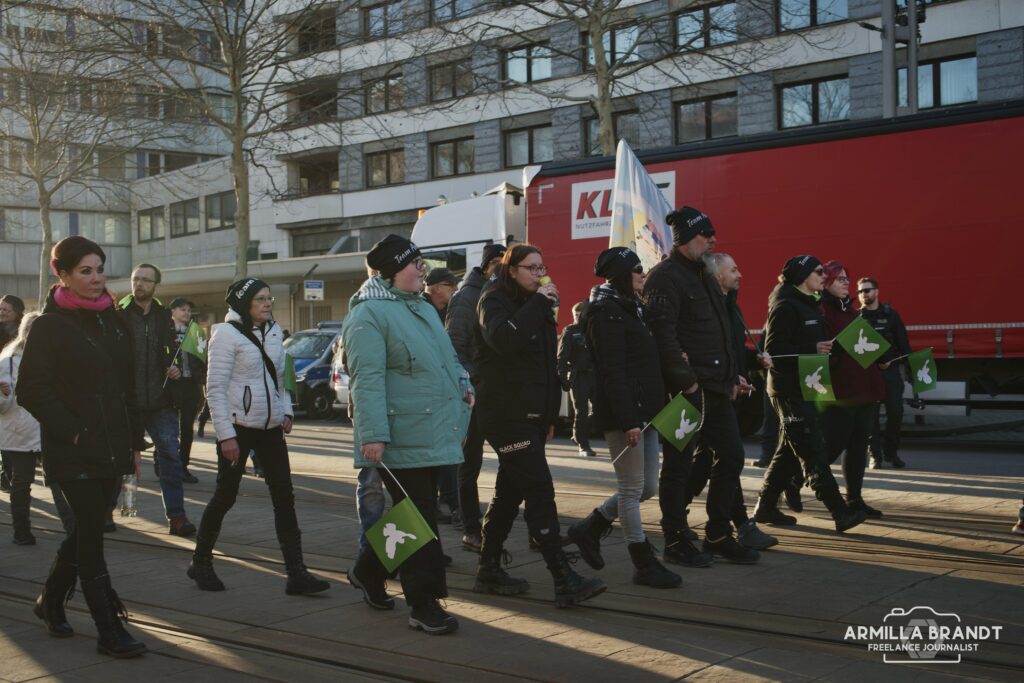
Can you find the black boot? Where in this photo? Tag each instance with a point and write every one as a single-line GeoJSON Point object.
{"type": "Point", "coordinates": [570, 587]}
{"type": "Point", "coordinates": [370, 577]}
{"type": "Point", "coordinates": [21, 502]}
{"type": "Point", "coordinates": [300, 581]}
{"type": "Point", "coordinates": [792, 495]}
{"type": "Point", "coordinates": [107, 611]}
{"type": "Point", "coordinates": [859, 504]}
{"type": "Point", "coordinates": [587, 535]}
{"type": "Point", "coordinates": [679, 549]}
{"type": "Point", "coordinates": [58, 589]}
{"type": "Point", "coordinates": [767, 510]}
{"type": "Point", "coordinates": [650, 572]}
{"type": "Point", "coordinates": [200, 569]}
{"type": "Point", "coordinates": [728, 548]}
{"type": "Point", "coordinates": [844, 517]}
{"type": "Point", "coordinates": [491, 577]}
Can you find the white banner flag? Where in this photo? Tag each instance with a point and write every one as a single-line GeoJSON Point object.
{"type": "Point", "coordinates": [639, 210]}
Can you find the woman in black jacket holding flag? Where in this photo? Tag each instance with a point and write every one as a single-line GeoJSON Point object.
{"type": "Point", "coordinates": [629, 393]}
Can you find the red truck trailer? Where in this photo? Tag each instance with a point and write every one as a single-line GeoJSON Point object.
{"type": "Point", "coordinates": [932, 206]}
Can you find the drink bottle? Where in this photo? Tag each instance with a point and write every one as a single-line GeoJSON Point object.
{"type": "Point", "coordinates": [546, 280]}
{"type": "Point", "coordinates": [129, 504]}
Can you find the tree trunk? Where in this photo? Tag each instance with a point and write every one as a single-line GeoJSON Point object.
{"type": "Point", "coordinates": [240, 178]}
{"type": "Point", "coordinates": [602, 100]}
{"type": "Point", "coordinates": [47, 245]}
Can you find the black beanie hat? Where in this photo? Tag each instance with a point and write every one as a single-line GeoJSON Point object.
{"type": "Point", "coordinates": [798, 268]}
{"type": "Point", "coordinates": [614, 262]}
{"type": "Point", "coordinates": [391, 254]}
{"type": "Point", "coordinates": [687, 223]}
{"type": "Point", "coordinates": [241, 294]}
{"type": "Point", "coordinates": [491, 251]}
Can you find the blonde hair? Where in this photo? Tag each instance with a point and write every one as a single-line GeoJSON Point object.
{"type": "Point", "coordinates": [17, 346]}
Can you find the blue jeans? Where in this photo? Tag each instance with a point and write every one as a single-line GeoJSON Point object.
{"type": "Point", "coordinates": [370, 501]}
{"type": "Point", "coordinates": [162, 427]}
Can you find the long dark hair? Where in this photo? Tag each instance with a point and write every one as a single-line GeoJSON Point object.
{"type": "Point", "coordinates": [513, 257]}
{"type": "Point", "coordinates": [623, 285]}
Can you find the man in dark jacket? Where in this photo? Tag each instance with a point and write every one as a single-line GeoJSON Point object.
{"type": "Point", "coordinates": [462, 330]}
{"type": "Point", "coordinates": [440, 287]}
{"type": "Point", "coordinates": [187, 391]}
{"type": "Point", "coordinates": [887, 322]}
{"type": "Point", "coordinates": [576, 373]}
{"type": "Point", "coordinates": [693, 332]}
{"type": "Point", "coordinates": [152, 332]}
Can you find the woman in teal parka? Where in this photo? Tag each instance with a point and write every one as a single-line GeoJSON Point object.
{"type": "Point", "coordinates": [411, 404]}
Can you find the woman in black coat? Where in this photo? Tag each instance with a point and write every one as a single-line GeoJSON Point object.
{"type": "Point", "coordinates": [76, 380]}
{"type": "Point", "coordinates": [517, 403]}
{"type": "Point", "coordinates": [629, 393]}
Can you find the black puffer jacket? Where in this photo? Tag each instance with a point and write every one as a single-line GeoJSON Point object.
{"type": "Point", "coordinates": [629, 389]}
{"type": "Point", "coordinates": [76, 378]}
{"type": "Point", "coordinates": [688, 315]}
{"type": "Point", "coordinates": [795, 325]}
{"type": "Point", "coordinates": [515, 362]}
{"type": "Point", "coordinates": [462, 321]}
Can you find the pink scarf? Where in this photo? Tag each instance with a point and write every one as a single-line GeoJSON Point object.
{"type": "Point", "coordinates": [67, 299]}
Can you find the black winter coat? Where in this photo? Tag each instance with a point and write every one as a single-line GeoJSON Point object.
{"type": "Point", "coordinates": [462, 322]}
{"type": "Point", "coordinates": [688, 315]}
{"type": "Point", "coordinates": [153, 341]}
{"type": "Point", "coordinates": [629, 390]}
{"type": "Point", "coordinates": [887, 322]}
{"type": "Point", "coordinates": [515, 363]}
{"type": "Point", "coordinates": [573, 358]}
{"type": "Point", "coordinates": [795, 325]}
{"type": "Point", "coordinates": [76, 378]}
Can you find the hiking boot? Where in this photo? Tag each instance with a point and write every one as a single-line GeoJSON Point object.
{"type": "Point", "coordinates": [859, 504]}
{"type": "Point", "coordinates": [107, 612]}
{"type": "Point", "coordinates": [180, 526]}
{"type": "Point", "coordinates": [58, 589]}
{"type": "Point", "coordinates": [432, 619]}
{"type": "Point", "coordinates": [648, 570]}
{"type": "Point", "coordinates": [767, 512]}
{"type": "Point", "coordinates": [492, 578]}
{"type": "Point", "coordinates": [375, 593]}
{"type": "Point", "coordinates": [300, 580]}
{"type": "Point", "coordinates": [200, 570]}
{"type": "Point", "coordinates": [680, 550]}
{"type": "Point", "coordinates": [848, 518]}
{"type": "Point", "coordinates": [727, 548]}
{"type": "Point", "coordinates": [750, 536]}
{"type": "Point", "coordinates": [587, 535]}
{"type": "Point", "coordinates": [570, 587]}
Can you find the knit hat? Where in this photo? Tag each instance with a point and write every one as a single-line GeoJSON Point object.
{"type": "Point", "coordinates": [241, 294]}
{"type": "Point", "coordinates": [832, 270]}
{"type": "Point", "coordinates": [439, 275]}
{"type": "Point", "coordinates": [391, 254]}
{"type": "Point", "coordinates": [687, 223]}
{"type": "Point", "coordinates": [491, 252]}
{"type": "Point", "coordinates": [614, 262]}
{"type": "Point", "coordinates": [798, 268]}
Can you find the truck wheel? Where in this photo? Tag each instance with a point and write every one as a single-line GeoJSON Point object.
{"type": "Point", "coordinates": [320, 404]}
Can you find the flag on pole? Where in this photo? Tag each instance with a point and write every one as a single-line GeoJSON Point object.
{"type": "Point", "coordinates": [289, 372]}
{"type": "Point", "coordinates": [639, 210]}
{"type": "Point", "coordinates": [399, 534]}
{"type": "Point", "coordinates": [862, 342]}
{"type": "Point", "coordinates": [923, 373]}
{"type": "Point", "coordinates": [195, 341]}
{"type": "Point", "coordinates": [677, 422]}
{"type": "Point", "coordinates": [815, 379]}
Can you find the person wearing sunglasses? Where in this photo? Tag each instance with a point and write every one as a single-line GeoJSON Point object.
{"type": "Point", "coordinates": [693, 332]}
{"type": "Point", "coordinates": [252, 412]}
{"type": "Point", "coordinates": [796, 326]}
{"type": "Point", "coordinates": [887, 322]}
{"type": "Point", "coordinates": [519, 402]}
{"type": "Point", "coordinates": [629, 392]}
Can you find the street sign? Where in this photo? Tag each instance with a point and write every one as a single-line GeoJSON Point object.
{"type": "Point", "coordinates": [314, 290]}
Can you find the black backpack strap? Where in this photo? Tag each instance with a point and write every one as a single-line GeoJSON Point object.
{"type": "Point", "coordinates": [266, 359]}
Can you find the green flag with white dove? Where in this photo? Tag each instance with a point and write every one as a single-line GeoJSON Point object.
{"type": "Point", "coordinates": [815, 379]}
{"type": "Point", "coordinates": [677, 422]}
{"type": "Point", "coordinates": [195, 341]}
{"type": "Point", "coordinates": [923, 373]}
{"type": "Point", "coordinates": [399, 534]}
{"type": "Point", "coordinates": [862, 342]}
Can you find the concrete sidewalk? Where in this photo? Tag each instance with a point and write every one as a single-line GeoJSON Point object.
{"type": "Point", "coordinates": [944, 542]}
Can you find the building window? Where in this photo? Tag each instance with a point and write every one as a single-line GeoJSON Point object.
{"type": "Point", "coordinates": [620, 45]}
{"type": "Point", "coordinates": [382, 21]}
{"type": "Point", "coordinates": [706, 26]}
{"type": "Point", "coordinates": [185, 218]}
{"type": "Point", "coordinates": [452, 157]}
{"type": "Point", "coordinates": [151, 224]}
{"type": "Point", "coordinates": [446, 10]}
{"type": "Point", "coordinates": [794, 14]}
{"type": "Point", "coordinates": [528, 146]}
{"type": "Point", "coordinates": [943, 82]}
{"type": "Point", "coordinates": [454, 79]}
{"type": "Point", "coordinates": [713, 117]}
{"type": "Point", "coordinates": [528, 64]}
{"type": "Point", "coordinates": [385, 168]}
{"type": "Point", "coordinates": [384, 94]}
{"type": "Point", "coordinates": [822, 101]}
{"type": "Point", "coordinates": [220, 211]}
{"type": "Point", "coordinates": [627, 127]}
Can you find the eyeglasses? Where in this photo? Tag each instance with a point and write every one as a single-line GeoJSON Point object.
{"type": "Point", "coordinates": [264, 299]}
{"type": "Point", "coordinates": [866, 290]}
{"type": "Point", "coordinates": [819, 271]}
{"type": "Point", "coordinates": [536, 270]}
{"type": "Point", "coordinates": [419, 263]}
{"type": "Point", "coordinates": [638, 269]}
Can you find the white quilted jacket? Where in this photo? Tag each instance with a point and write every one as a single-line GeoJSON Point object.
{"type": "Point", "coordinates": [239, 387]}
{"type": "Point", "coordinates": [19, 431]}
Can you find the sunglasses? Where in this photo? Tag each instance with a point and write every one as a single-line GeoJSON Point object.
{"type": "Point", "coordinates": [638, 269]}
{"type": "Point", "coordinates": [819, 271]}
{"type": "Point", "coordinates": [865, 291]}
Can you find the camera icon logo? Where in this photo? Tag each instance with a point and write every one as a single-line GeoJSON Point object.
{"type": "Point", "coordinates": [922, 634]}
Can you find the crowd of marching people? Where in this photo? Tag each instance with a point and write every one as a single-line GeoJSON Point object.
{"type": "Point", "coordinates": [434, 375]}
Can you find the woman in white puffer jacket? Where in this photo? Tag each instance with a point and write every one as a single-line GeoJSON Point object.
{"type": "Point", "coordinates": [251, 412]}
